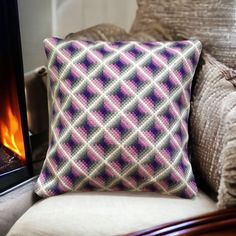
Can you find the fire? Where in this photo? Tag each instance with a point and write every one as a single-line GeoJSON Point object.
{"type": "Point", "coordinates": [11, 133]}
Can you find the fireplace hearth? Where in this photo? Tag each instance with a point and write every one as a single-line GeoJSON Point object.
{"type": "Point", "coordinates": [15, 152]}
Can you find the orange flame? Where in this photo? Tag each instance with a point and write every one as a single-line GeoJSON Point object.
{"type": "Point", "coordinates": [11, 133]}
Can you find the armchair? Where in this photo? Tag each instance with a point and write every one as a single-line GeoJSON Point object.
{"type": "Point", "coordinates": [123, 213]}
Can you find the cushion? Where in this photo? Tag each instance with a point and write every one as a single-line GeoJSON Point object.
{"type": "Point", "coordinates": [213, 22]}
{"type": "Point", "coordinates": [120, 114]}
{"type": "Point", "coordinates": [112, 33]}
{"type": "Point", "coordinates": [227, 191]}
{"type": "Point", "coordinates": [106, 213]}
{"type": "Point", "coordinates": [212, 129]}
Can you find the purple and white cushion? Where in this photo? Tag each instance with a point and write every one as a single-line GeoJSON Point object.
{"type": "Point", "coordinates": [119, 117]}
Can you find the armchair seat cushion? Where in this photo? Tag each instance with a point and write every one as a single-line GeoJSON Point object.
{"type": "Point", "coordinates": [106, 213]}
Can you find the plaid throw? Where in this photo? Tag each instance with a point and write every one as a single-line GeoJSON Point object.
{"type": "Point", "coordinates": [119, 117]}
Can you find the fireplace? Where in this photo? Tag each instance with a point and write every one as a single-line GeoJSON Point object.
{"type": "Point", "coordinates": [15, 153]}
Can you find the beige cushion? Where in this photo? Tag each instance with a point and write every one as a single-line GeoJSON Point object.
{"type": "Point", "coordinates": [106, 213]}
{"type": "Point", "coordinates": [211, 21]}
{"type": "Point", "coordinates": [213, 98]}
{"type": "Point", "coordinates": [227, 191]}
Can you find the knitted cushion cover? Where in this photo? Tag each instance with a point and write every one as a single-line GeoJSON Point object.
{"type": "Point", "coordinates": [213, 22]}
{"type": "Point", "coordinates": [212, 129]}
{"type": "Point", "coordinates": [119, 117]}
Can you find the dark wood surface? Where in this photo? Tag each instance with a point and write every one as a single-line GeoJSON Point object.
{"type": "Point", "coordinates": [221, 222]}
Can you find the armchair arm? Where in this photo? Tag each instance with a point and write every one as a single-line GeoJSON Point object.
{"type": "Point", "coordinates": [36, 100]}
{"type": "Point", "coordinates": [217, 223]}
{"type": "Point", "coordinates": [15, 203]}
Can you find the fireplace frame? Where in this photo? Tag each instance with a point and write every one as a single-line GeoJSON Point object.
{"type": "Point", "coordinates": [9, 23]}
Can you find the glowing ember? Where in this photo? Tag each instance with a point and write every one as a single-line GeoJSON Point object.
{"type": "Point", "coordinates": [11, 133]}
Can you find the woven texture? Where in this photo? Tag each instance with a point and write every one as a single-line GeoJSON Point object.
{"type": "Point", "coordinates": [213, 99]}
{"type": "Point", "coordinates": [227, 191]}
{"type": "Point", "coordinates": [120, 113]}
{"type": "Point", "coordinates": [100, 32]}
{"type": "Point", "coordinates": [113, 33]}
{"type": "Point", "coordinates": [213, 22]}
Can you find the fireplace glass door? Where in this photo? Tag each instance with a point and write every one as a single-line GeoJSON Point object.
{"type": "Point", "coordinates": [15, 164]}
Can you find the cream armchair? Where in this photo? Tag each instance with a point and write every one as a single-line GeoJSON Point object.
{"type": "Point", "coordinates": [123, 213]}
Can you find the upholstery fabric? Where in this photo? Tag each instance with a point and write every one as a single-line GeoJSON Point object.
{"type": "Point", "coordinates": [113, 33]}
{"type": "Point", "coordinates": [102, 214]}
{"type": "Point", "coordinates": [154, 31]}
{"type": "Point", "coordinates": [100, 32]}
{"type": "Point", "coordinates": [212, 138]}
{"type": "Point", "coordinates": [120, 113]}
{"type": "Point", "coordinates": [213, 22]}
{"type": "Point", "coordinates": [14, 204]}
{"type": "Point", "coordinates": [37, 113]}
{"type": "Point", "coordinates": [227, 191]}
